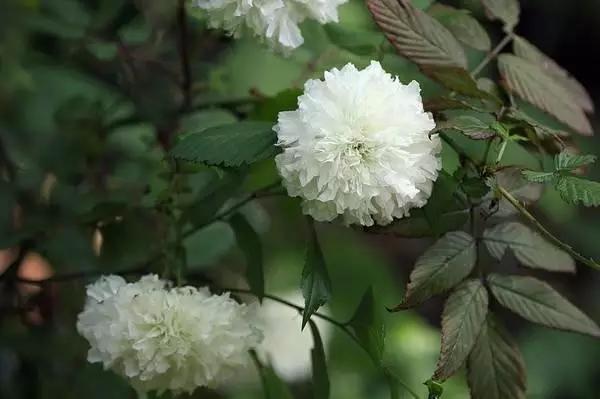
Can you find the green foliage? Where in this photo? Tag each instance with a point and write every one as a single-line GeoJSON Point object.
{"type": "Point", "coordinates": [249, 242]}
{"type": "Point", "coordinates": [367, 323]}
{"type": "Point", "coordinates": [575, 190]}
{"type": "Point", "coordinates": [315, 284]}
{"type": "Point", "coordinates": [229, 145]}
{"type": "Point", "coordinates": [507, 11]}
{"type": "Point", "coordinates": [496, 369]}
{"type": "Point", "coordinates": [462, 25]}
{"type": "Point", "coordinates": [440, 268]}
{"type": "Point", "coordinates": [273, 386]}
{"type": "Point", "coordinates": [320, 376]}
{"type": "Point", "coordinates": [529, 247]}
{"type": "Point", "coordinates": [539, 303]}
{"type": "Point", "coordinates": [464, 315]}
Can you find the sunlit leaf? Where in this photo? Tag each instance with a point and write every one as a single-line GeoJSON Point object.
{"type": "Point", "coordinates": [416, 35]}
{"type": "Point", "coordinates": [530, 248]}
{"type": "Point", "coordinates": [568, 161]}
{"type": "Point", "coordinates": [576, 190]}
{"type": "Point", "coordinates": [464, 315]}
{"type": "Point", "coordinates": [532, 84]}
{"type": "Point", "coordinates": [539, 303]}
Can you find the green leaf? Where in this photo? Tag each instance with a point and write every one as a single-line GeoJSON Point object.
{"type": "Point", "coordinates": [576, 190]}
{"type": "Point", "coordinates": [471, 126]}
{"type": "Point", "coordinates": [578, 93]}
{"type": "Point", "coordinates": [320, 376]}
{"type": "Point", "coordinates": [464, 315]}
{"type": "Point", "coordinates": [464, 27]}
{"type": "Point", "coordinates": [249, 242]}
{"type": "Point", "coordinates": [416, 35]}
{"type": "Point", "coordinates": [204, 119]}
{"type": "Point", "coordinates": [434, 389]}
{"type": "Point", "coordinates": [530, 248]}
{"type": "Point", "coordinates": [360, 42]}
{"type": "Point", "coordinates": [539, 303]}
{"type": "Point", "coordinates": [506, 11]}
{"type": "Point", "coordinates": [538, 177]}
{"type": "Point", "coordinates": [315, 284]}
{"type": "Point", "coordinates": [440, 201]}
{"type": "Point", "coordinates": [367, 323]}
{"type": "Point", "coordinates": [229, 145]}
{"type": "Point", "coordinates": [269, 109]}
{"type": "Point", "coordinates": [512, 181]}
{"type": "Point", "coordinates": [459, 80]}
{"type": "Point", "coordinates": [495, 368]}
{"type": "Point", "coordinates": [568, 161]}
{"type": "Point", "coordinates": [440, 268]}
{"type": "Point", "coordinates": [540, 128]}
{"type": "Point", "coordinates": [533, 85]}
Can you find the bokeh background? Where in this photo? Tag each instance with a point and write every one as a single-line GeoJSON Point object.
{"type": "Point", "coordinates": [86, 107]}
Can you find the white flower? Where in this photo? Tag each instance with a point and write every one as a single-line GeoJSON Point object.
{"type": "Point", "coordinates": [275, 21]}
{"type": "Point", "coordinates": [164, 338]}
{"type": "Point", "coordinates": [286, 346]}
{"type": "Point", "coordinates": [358, 146]}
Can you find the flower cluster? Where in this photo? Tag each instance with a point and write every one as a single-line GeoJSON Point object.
{"type": "Point", "coordinates": [275, 21]}
{"type": "Point", "coordinates": [358, 146]}
{"type": "Point", "coordinates": [164, 338]}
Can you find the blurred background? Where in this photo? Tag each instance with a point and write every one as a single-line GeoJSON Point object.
{"type": "Point", "coordinates": [90, 100]}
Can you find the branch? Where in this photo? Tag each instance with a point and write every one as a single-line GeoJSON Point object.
{"type": "Point", "coordinates": [184, 55]}
{"type": "Point", "coordinates": [545, 232]}
{"type": "Point", "coordinates": [493, 54]}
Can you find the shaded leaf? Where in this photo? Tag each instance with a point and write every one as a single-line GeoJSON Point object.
{"type": "Point", "coordinates": [514, 182]}
{"type": "Point", "coordinates": [576, 190]}
{"type": "Point", "coordinates": [418, 225]}
{"type": "Point", "coordinates": [528, 51]}
{"type": "Point", "coordinates": [464, 315]}
{"type": "Point", "coordinates": [273, 386]}
{"type": "Point", "coordinates": [462, 25]}
{"type": "Point", "coordinates": [320, 376]}
{"type": "Point", "coordinates": [440, 201]}
{"type": "Point", "coordinates": [495, 369]}
{"type": "Point", "coordinates": [506, 11]}
{"type": "Point", "coordinates": [540, 129]}
{"type": "Point", "coordinates": [530, 248]}
{"type": "Point", "coordinates": [315, 283]}
{"type": "Point", "coordinates": [367, 323]}
{"type": "Point", "coordinates": [532, 84]}
{"type": "Point", "coordinates": [269, 109]}
{"type": "Point", "coordinates": [249, 242]}
{"type": "Point", "coordinates": [440, 268]}
{"type": "Point", "coordinates": [471, 126]}
{"type": "Point", "coordinates": [538, 177]}
{"type": "Point", "coordinates": [360, 42]}
{"type": "Point", "coordinates": [230, 145]}
{"type": "Point", "coordinates": [538, 302]}
{"type": "Point", "coordinates": [416, 35]}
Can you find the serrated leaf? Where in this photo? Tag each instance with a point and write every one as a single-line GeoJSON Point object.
{"type": "Point", "coordinates": [533, 85]}
{"type": "Point", "coordinates": [540, 129]}
{"type": "Point", "coordinates": [229, 145]}
{"type": "Point", "coordinates": [249, 242]}
{"type": "Point", "coordinates": [568, 161]}
{"type": "Point", "coordinates": [530, 248]}
{"type": "Point", "coordinates": [496, 369]}
{"type": "Point", "coordinates": [576, 190]}
{"type": "Point", "coordinates": [462, 25]}
{"type": "Point", "coordinates": [440, 268]}
{"type": "Point", "coordinates": [538, 177]}
{"type": "Point", "coordinates": [528, 51]}
{"type": "Point", "coordinates": [315, 283]}
{"type": "Point", "coordinates": [464, 315]}
{"type": "Point", "coordinates": [536, 301]}
{"type": "Point", "coordinates": [471, 126]}
{"type": "Point", "coordinates": [367, 323]}
{"type": "Point", "coordinates": [320, 376]}
{"type": "Point", "coordinates": [514, 182]}
{"type": "Point", "coordinates": [507, 11]}
{"type": "Point", "coordinates": [416, 35]}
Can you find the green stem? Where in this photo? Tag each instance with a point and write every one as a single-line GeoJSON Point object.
{"type": "Point", "coordinates": [547, 234]}
{"type": "Point", "coordinates": [501, 152]}
{"type": "Point", "coordinates": [491, 55]}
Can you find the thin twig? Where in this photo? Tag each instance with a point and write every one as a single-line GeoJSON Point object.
{"type": "Point", "coordinates": [493, 54]}
{"type": "Point", "coordinates": [545, 232]}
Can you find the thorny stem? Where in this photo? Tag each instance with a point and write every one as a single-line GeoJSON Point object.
{"type": "Point", "coordinates": [493, 54]}
{"type": "Point", "coordinates": [545, 232]}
